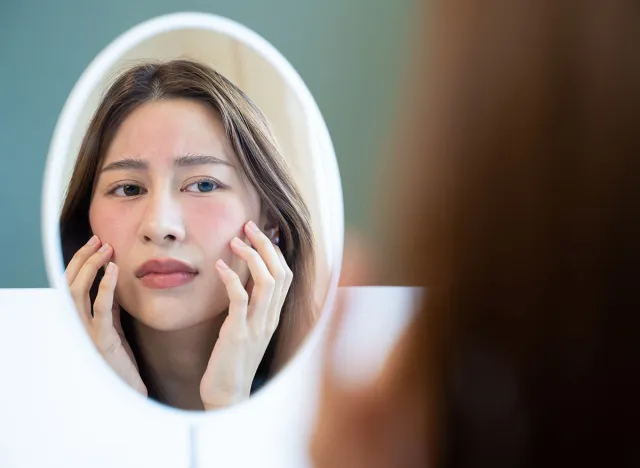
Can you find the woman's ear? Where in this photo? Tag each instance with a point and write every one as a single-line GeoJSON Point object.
{"type": "Point", "coordinates": [272, 229]}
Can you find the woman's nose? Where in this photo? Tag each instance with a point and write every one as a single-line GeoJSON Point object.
{"type": "Point", "coordinates": [162, 221]}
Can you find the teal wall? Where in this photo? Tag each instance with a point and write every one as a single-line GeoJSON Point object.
{"type": "Point", "coordinates": [347, 51]}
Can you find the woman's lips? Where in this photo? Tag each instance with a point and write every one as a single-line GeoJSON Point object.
{"type": "Point", "coordinates": [163, 273]}
{"type": "Point", "coordinates": [166, 280]}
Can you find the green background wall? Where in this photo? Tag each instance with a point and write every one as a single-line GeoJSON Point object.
{"type": "Point", "coordinates": [347, 51]}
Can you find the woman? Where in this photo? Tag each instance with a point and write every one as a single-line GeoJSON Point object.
{"type": "Point", "coordinates": [521, 216]}
{"type": "Point", "coordinates": [188, 247]}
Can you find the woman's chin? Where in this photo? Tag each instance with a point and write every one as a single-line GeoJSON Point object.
{"type": "Point", "coordinates": [167, 322]}
{"type": "Point", "coordinates": [173, 315]}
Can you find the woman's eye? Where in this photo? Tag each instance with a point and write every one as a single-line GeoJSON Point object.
{"type": "Point", "coordinates": [128, 191]}
{"type": "Point", "coordinates": [202, 186]}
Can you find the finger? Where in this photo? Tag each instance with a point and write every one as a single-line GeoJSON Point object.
{"type": "Point", "coordinates": [87, 274]}
{"type": "Point", "coordinates": [249, 286]}
{"type": "Point", "coordinates": [266, 249]}
{"type": "Point", "coordinates": [107, 338]}
{"type": "Point", "coordinates": [80, 257]}
{"type": "Point", "coordinates": [281, 295]}
{"type": "Point", "coordinates": [238, 297]}
{"type": "Point", "coordinates": [103, 305]}
{"type": "Point", "coordinates": [264, 282]}
{"type": "Point", "coordinates": [288, 276]}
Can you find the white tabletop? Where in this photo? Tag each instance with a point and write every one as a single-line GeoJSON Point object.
{"type": "Point", "coordinates": [60, 406]}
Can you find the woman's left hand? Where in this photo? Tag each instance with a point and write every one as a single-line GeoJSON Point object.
{"type": "Point", "coordinates": [251, 321]}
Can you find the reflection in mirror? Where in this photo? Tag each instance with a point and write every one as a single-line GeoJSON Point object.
{"type": "Point", "coordinates": [190, 247]}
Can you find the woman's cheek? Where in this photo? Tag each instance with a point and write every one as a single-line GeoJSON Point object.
{"type": "Point", "coordinates": [109, 225]}
{"type": "Point", "coordinates": [215, 227]}
{"type": "Point", "coordinates": [216, 222]}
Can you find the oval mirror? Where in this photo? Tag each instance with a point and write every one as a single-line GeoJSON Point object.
{"type": "Point", "coordinates": [192, 212]}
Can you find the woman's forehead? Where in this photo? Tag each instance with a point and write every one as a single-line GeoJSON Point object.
{"type": "Point", "coordinates": [161, 132]}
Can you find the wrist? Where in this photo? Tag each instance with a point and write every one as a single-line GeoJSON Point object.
{"type": "Point", "coordinates": [221, 402]}
{"type": "Point", "coordinates": [223, 399]}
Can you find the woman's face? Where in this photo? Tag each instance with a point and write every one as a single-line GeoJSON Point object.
{"type": "Point", "coordinates": [170, 189]}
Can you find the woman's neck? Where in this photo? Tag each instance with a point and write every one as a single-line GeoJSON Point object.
{"type": "Point", "coordinates": [177, 360]}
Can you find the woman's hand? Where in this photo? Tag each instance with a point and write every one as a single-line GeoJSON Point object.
{"type": "Point", "coordinates": [104, 327]}
{"type": "Point", "coordinates": [251, 321]}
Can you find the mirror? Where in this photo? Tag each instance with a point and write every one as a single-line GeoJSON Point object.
{"type": "Point", "coordinates": [194, 156]}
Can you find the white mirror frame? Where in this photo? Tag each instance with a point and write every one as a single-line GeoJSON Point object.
{"type": "Point", "coordinates": [53, 191]}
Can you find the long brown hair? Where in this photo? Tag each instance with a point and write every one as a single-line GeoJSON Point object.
{"type": "Point", "coordinates": [520, 213]}
{"type": "Point", "coordinates": [259, 156]}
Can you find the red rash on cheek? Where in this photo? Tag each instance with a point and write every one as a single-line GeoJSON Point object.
{"type": "Point", "coordinates": [111, 225]}
{"type": "Point", "coordinates": [211, 222]}
{"type": "Point", "coordinates": [223, 218]}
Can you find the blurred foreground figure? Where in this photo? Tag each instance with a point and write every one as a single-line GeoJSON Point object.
{"type": "Point", "coordinates": [514, 197]}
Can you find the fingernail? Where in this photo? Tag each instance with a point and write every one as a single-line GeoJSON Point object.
{"type": "Point", "coordinates": [104, 248]}
{"type": "Point", "coordinates": [111, 267]}
{"type": "Point", "coordinates": [238, 242]}
{"type": "Point", "coordinates": [222, 264]}
{"type": "Point", "coordinates": [253, 226]}
{"type": "Point", "coordinates": [93, 240]}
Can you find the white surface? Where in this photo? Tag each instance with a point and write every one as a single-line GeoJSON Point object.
{"type": "Point", "coordinates": [59, 409]}
{"type": "Point", "coordinates": [323, 165]}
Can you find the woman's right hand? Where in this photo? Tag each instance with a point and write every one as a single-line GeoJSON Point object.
{"type": "Point", "coordinates": [104, 326]}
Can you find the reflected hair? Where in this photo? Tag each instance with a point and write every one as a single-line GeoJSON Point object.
{"type": "Point", "coordinates": [261, 162]}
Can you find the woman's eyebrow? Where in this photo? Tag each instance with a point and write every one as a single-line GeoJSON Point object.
{"type": "Point", "coordinates": [181, 161]}
{"type": "Point", "coordinates": [199, 160]}
{"type": "Point", "coordinates": [126, 163]}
